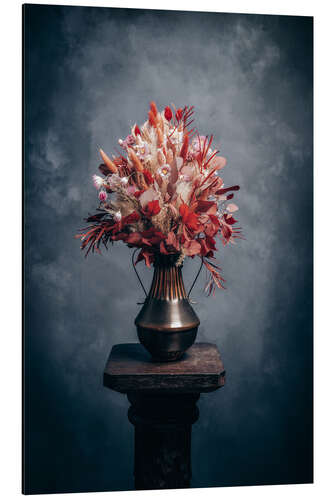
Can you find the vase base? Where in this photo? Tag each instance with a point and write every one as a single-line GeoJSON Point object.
{"type": "Point", "coordinates": [166, 346]}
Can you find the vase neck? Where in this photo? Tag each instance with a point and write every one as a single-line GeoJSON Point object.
{"type": "Point", "coordinates": [167, 283]}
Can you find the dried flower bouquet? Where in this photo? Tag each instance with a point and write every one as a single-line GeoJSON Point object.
{"type": "Point", "coordinates": [163, 194]}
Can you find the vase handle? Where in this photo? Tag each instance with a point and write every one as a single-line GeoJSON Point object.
{"type": "Point", "coordinates": [195, 279]}
{"type": "Point", "coordinates": [136, 272]}
{"type": "Point", "coordinates": [142, 285]}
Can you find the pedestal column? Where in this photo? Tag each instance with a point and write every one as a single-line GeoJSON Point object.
{"type": "Point", "coordinates": [163, 399]}
{"type": "Point", "coordinates": [163, 426]}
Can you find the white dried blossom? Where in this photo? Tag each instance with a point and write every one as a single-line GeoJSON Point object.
{"type": "Point", "coordinates": [98, 181]}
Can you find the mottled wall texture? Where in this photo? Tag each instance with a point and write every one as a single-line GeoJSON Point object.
{"type": "Point", "coordinates": [89, 74]}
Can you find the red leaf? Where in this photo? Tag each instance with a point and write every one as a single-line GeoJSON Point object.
{"type": "Point", "coordinates": [203, 205]}
{"type": "Point", "coordinates": [153, 208]}
{"type": "Point", "coordinates": [225, 190]}
{"type": "Point", "coordinates": [192, 221]}
{"type": "Point", "coordinates": [192, 247]}
{"type": "Point", "coordinates": [189, 218]}
{"type": "Point", "coordinates": [129, 219]}
{"type": "Point", "coordinates": [183, 210]}
{"type": "Point", "coordinates": [211, 243]}
{"type": "Point", "coordinates": [134, 238]}
{"type": "Point", "coordinates": [229, 219]}
{"type": "Point", "coordinates": [162, 248]}
{"type": "Point", "coordinates": [147, 256]}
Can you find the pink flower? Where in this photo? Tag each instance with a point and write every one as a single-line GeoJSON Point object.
{"type": "Point", "coordinates": [102, 195]}
{"type": "Point", "coordinates": [129, 141]}
{"type": "Point", "coordinates": [142, 151]}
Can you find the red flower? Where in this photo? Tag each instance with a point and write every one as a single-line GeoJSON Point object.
{"type": "Point", "coordinates": [137, 194]}
{"type": "Point", "coordinates": [179, 114]}
{"type": "Point", "coordinates": [153, 208]}
{"type": "Point", "coordinates": [189, 218]}
{"type": "Point", "coordinates": [148, 177]}
{"type": "Point", "coordinates": [137, 131]}
{"type": "Point", "coordinates": [168, 113]}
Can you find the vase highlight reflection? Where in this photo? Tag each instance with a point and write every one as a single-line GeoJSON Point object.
{"type": "Point", "coordinates": [167, 324]}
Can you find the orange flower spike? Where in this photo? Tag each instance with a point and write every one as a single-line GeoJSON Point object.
{"type": "Point", "coordinates": [135, 160]}
{"type": "Point", "coordinates": [108, 162]}
{"type": "Point", "coordinates": [152, 119]}
{"type": "Point", "coordinates": [184, 150]}
{"type": "Point", "coordinates": [161, 122]}
{"type": "Point", "coordinates": [153, 108]}
{"type": "Point", "coordinates": [159, 137]}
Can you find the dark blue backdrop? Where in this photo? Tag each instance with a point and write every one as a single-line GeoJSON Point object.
{"type": "Point", "coordinates": [89, 74]}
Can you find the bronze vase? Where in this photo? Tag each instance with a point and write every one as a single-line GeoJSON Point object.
{"type": "Point", "coordinates": [167, 324]}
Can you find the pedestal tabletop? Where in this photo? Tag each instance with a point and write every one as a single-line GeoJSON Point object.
{"type": "Point", "coordinates": [130, 368]}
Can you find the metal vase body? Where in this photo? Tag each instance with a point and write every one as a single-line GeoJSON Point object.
{"type": "Point", "coordinates": [167, 324]}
